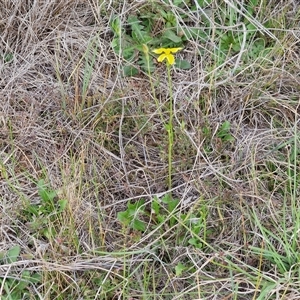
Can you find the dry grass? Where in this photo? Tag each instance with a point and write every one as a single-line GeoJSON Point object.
{"type": "Point", "coordinates": [98, 139]}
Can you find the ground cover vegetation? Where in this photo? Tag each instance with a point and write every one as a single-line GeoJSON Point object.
{"type": "Point", "coordinates": [149, 149]}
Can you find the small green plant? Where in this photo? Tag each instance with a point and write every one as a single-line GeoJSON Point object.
{"type": "Point", "coordinates": [224, 132]}
{"type": "Point", "coordinates": [130, 217]}
{"type": "Point", "coordinates": [180, 268]}
{"type": "Point", "coordinates": [16, 287]}
{"type": "Point", "coordinates": [237, 31]}
{"type": "Point", "coordinates": [289, 256]}
{"type": "Point", "coordinates": [160, 209]}
{"type": "Point", "coordinates": [6, 58]}
{"type": "Point", "coordinates": [132, 40]}
{"type": "Point", "coordinates": [42, 217]}
{"type": "Point", "coordinates": [191, 229]}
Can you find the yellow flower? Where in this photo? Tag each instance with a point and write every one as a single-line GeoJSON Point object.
{"type": "Point", "coordinates": [166, 53]}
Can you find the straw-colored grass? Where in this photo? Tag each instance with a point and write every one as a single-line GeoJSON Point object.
{"type": "Point", "coordinates": [79, 143]}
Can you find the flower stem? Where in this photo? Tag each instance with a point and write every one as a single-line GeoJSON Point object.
{"type": "Point", "coordinates": [170, 128]}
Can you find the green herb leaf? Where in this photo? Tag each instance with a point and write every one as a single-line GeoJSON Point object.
{"type": "Point", "coordinates": [169, 34]}
{"type": "Point", "coordinates": [138, 225]}
{"type": "Point", "coordinates": [179, 269]}
{"type": "Point", "coordinates": [130, 71]}
{"type": "Point", "coordinates": [12, 254]}
{"type": "Point", "coordinates": [124, 217]}
{"type": "Point", "coordinates": [183, 64]}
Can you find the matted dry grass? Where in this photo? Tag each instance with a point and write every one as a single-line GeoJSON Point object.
{"type": "Point", "coordinates": [102, 143]}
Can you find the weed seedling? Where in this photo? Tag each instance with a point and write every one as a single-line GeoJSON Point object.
{"type": "Point", "coordinates": [16, 286]}
{"type": "Point", "coordinates": [140, 33]}
{"type": "Point", "coordinates": [43, 217]}
{"type": "Point", "coordinates": [130, 217]}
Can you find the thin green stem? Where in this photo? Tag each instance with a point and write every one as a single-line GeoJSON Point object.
{"type": "Point", "coordinates": [168, 125]}
{"type": "Point", "coordinates": [170, 128]}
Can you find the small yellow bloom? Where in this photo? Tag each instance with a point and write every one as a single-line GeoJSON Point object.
{"type": "Point", "coordinates": [166, 53]}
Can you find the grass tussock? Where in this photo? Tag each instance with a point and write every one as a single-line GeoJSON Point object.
{"type": "Point", "coordinates": [179, 183]}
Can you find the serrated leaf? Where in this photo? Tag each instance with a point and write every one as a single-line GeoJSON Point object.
{"type": "Point", "coordinates": [138, 225]}
{"type": "Point", "coordinates": [146, 65]}
{"type": "Point", "coordinates": [183, 64]}
{"type": "Point", "coordinates": [225, 126]}
{"type": "Point", "coordinates": [160, 219]}
{"type": "Point", "coordinates": [195, 242]}
{"type": "Point", "coordinates": [179, 269]}
{"type": "Point", "coordinates": [128, 53]}
{"type": "Point", "coordinates": [138, 33]}
{"type": "Point", "coordinates": [124, 217]}
{"type": "Point", "coordinates": [171, 35]}
{"type": "Point", "coordinates": [130, 71]}
{"type": "Point", "coordinates": [171, 203]}
{"type": "Point", "coordinates": [136, 205]}
{"type": "Point", "coordinates": [141, 37]}
{"type": "Point", "coordinates": [166, 199]}
{"type": "Point", "coordinates": [155, 206]}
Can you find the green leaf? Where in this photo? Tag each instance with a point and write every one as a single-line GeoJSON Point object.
{"type": "Point", "coordinates": [138, 34]}
{"type": "Point", "coordinates": [130, 71]}
{"type": "Point", "coordinates": [115, 44]}
{"type": "Point", "coordinates": [12, 254]}
{"type": "Point", "coordinates": [224, 132]}
{"type": "Point", "coordinates": [115, 25]}
{"type": "Point", "coordinates": [35, 278]}
{"type": "Point", "coordinates": [32, 209]}
{"type": "Point", "coordinates": [138, 225]}
{"type": "Point", "coordinates": [266, 289]}
{"type": "Point", "coordinates": [62, 205]}
{"type": "Point", "coordinates": [160, 219]}
{"type": "Point", "coordinates": [45, 194]}
{"type": "Point", "coordinates": [171, 203]}
{"type": "Point", "coordinates": [8, 57]}
{"type": "Point", "coordinates": [195, 242]}
{"type": "Point", "coordinates": [129, 216]}
{"type": "Point", "coordinates": [155, 206]}
{"type": "Point", "coordinates": [225, 127]}
{"type": "Point", "coordinates": [196, 228]}
{"type": "Point", "coordinates": [179, 269]}
{"type": "Point", "coordinates": [134, 207]}
{"type": "Point", "coordinates": [183, 64]}
{"type": "Point", "coordinates": [146, 65]}
{"type": "Point", "coordinates": [177, 2]}
{"type": "Point", "coordinates": [128, 53]}
{"type": "Point", "coordinates": [2, 255]}
{"type": "Point", "coordinates": [194, 33]}
{"type": "Point", "coordinates": [124, 217]}
{"type": "Point", "coordinates": [24, 282]}
{"type": "Point", "coordinates": [169, 34]}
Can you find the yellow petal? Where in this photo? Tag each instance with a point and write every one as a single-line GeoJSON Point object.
{"type": "Point", "coordinates": [167, 51]}
{"type": "Point", "coordinates": [162, 57]}
{"type": "Point", "coordinates": [174, 50]}
{"type": "Point", "coordinates": [159, 50]}
{"type": "Point", "coordinates": [170, 59]}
